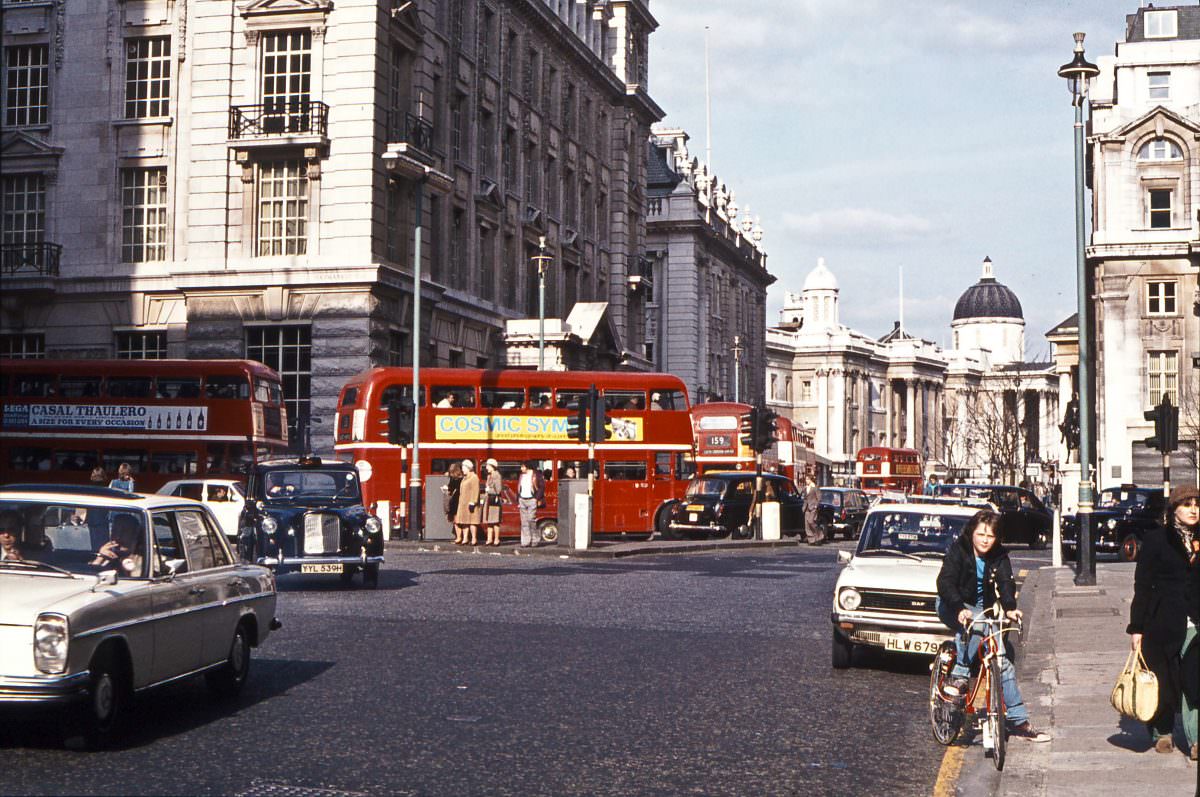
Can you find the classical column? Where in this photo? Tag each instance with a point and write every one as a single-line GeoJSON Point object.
{"type": "Point", "coordinates": [887, 411]}
{"type": "Point", "coordinates": [838, 443]}
{"type": "Point", "coordinates": [910, 414]}
{"type": "Point", "coordinates": [822, 413]}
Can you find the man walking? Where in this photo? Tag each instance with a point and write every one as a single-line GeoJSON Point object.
{"type": "Point", "coordinates": [813, 533]}
{"type": "Point", "coordinates": [531, 493]}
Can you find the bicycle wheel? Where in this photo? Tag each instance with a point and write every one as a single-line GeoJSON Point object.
{"type": "Point", "coordinates": [999, 726]}
{"type": "Point", "coordinates": [945, 717]}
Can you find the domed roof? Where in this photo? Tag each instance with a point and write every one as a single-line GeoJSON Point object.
{"type": "Point", "coordinates": [820, 278]}
{"type": "Point", "coordinates": [988, 299]}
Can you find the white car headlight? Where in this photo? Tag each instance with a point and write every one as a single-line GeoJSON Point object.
{"type": "Point", "coordinates": [849, 599]}
{"type": "Point", "coordinates": [51, 638]}
{"type": "Point", "coordinates": [372, 525]}
{"type": "Point", "coordinates": [268, 524]}
{"type": "Point", "coordinates": [1112, 523]}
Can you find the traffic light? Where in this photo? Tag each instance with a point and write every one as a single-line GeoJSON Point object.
{"type": "Point", "coordinates": [577, 423]}
{"type": "Point", "coordinates": [601, 428]}
{"type": "Point", "coordinates": [764, 436]}
{"type": "Point", "coordinates": [1166, 426]}
{"type": "Point", "coordinates": [400, 422]}
{"type": "Point", "coordinates": [748, 427]}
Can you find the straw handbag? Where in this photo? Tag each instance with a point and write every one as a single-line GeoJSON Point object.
{"type": "Point", "coordinates": [1136, 693]}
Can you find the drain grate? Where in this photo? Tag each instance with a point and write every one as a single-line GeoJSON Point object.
{"type": "Point", "coordinates": [262, 788]}
{"type": "Point", "coordinates": [1086, 611]}
{"type": "Point", "coordinates": [1080, 593]}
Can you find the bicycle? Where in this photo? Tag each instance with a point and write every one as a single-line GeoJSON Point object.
{"type": "Point", "coordinates": [947, 716]}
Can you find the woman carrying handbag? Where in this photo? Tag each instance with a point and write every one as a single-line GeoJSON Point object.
{"type": "Point", "coordinates": [1165, 613]}
{"type": "Point", "coordinates": [493, 490]}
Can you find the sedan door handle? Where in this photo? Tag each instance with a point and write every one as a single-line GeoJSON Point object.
{"type": "Point", "coordinates": [197, 591]}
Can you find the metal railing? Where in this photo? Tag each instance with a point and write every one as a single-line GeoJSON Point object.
{"type": "Point", "coordinates": [30, 259]}
{"type": "Point", "coordinates": [292, 118]}
{"type": "Point", "coordinates": [407, 128]}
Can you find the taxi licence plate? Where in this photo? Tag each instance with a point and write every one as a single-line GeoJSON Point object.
{"type": "Point", "coordinates": [695, 507]}
{"type": "Point", "coordinates": [693, 517]}
{"type": "Point", "coordinates": [335, 567]}
{"type": "Point", "coordinates": [907, 644]}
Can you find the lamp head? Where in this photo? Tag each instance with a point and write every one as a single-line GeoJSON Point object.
{"type": "Point", "coordinates": [1079, 69]}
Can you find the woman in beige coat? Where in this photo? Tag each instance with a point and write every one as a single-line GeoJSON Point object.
{"type": "Point", "coordinates": [470, 508]}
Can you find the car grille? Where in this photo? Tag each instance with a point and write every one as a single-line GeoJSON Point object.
{"type": "Point", "coordinates": [322, 533]}
{"type": "Point", "coordinates": [905, 602]}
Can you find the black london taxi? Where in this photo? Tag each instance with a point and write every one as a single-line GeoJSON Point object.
{"type": "Point", "coordinates": [1025, 518]}
{"type": "Point", "coordinates": [842, 511]}
{"type": "Point", "coordinates": [718, 504]}
{"type": "Point", "coordinates": [1120, 520]}
{"type": "Point", "coordinates": [307, 516]}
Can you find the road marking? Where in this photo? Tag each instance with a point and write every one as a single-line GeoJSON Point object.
{"type": "Point", "coordinates": [947, 777]}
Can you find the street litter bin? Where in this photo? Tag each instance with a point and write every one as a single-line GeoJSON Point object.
{"type": "Point", "coordinates": [770, 520]}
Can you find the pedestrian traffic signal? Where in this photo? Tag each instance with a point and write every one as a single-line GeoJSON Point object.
{"type": "Point", "coordinates": [1166, 426]}
{"type": "Point", "coordinates": [601, 428]}
{"type": "Point", "coordinates": [764, 437]}
{"type": "Point", "coordinates": [748, 424]}
{"type": "Point", "coordinates": [577, 423]}
{"type": "Point", "coordinates": [400, 422]}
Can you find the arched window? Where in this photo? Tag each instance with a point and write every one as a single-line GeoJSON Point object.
{"type": "Point", "coordinates": [1160, 149]}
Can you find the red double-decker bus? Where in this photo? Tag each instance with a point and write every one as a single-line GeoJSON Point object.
{"type": "Point", "coordinates": [166, 418]}
{"type": "Point", "coordinates": [880, 469]}
{"type": "Point", "coordinates": [517, 416]}
{"type": "Point", "coordinates": [716, 426]}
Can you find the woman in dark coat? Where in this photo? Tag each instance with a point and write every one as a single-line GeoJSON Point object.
{"type": "Point", "coordinates": [450, 498]}
{"type": "Point", "coordinates": [1165, 613]}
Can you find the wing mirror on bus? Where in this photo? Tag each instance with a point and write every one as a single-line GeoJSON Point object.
{"type": "Point", "coordinates": [844, 557]}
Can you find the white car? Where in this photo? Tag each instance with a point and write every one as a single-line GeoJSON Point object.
{"type": "Point", "coordinates": [225, 497]}
{"type": "Point", "coordinates": [886, 595]}
{"type": "Point", "coordinates": [104, 594]}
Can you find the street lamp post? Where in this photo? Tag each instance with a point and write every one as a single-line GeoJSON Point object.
{"type": "Point", "coordinates": [1077, 74]}
{"type": "Point", "coordinates": [737, 365]}
{"type": "Point", "coordinates": [542, 259]}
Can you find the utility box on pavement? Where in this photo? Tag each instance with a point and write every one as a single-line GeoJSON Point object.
{"type": "Point", "coordinates": [436, 525]}
{"type": "Point", "coordinates": [770, 520]}
{"type": "Point", "coordinates": [572, 529]}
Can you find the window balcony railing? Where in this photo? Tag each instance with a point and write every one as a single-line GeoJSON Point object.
{"type": "Point", "coordinates": [30, 259]}
{"type": "Point", "coordinates": [292, 118]}
{"type": "Point", "coordinates": [407, 128]}
{"type": "Point", "coordinates": [641, 272]}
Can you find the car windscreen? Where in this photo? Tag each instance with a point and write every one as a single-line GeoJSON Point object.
{"type": "Point", "coordinates": [911, 532]}
{"type": "Point", "coordinates": [79, 537]}
{"type": "Point", "coordinates": [710, 487]}
{"type": "Point", "coordinates": [285, 485]}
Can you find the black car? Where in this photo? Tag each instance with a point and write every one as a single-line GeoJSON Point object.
{"type": "Point", "coordinates": [1026, 518]}
{"type": "Point", "coordinates": [1120, 520]}
{"type": "Point", "coordinates": [718, 504]}
{"type": "Point", "coordinates": [304, 515]}
{"type": "Point", "coordinates": [842, 510]}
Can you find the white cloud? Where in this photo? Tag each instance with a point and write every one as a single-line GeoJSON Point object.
{"type": "Point", "coordinates": [865, 227]}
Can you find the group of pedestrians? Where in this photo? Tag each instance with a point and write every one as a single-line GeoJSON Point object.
{"type": "Point", "coordinates": [469, 503]}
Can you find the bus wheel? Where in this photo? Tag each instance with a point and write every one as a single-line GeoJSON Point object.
{"type": "Point", "coordinates": [549, 530]}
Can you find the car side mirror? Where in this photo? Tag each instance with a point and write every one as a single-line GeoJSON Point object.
{"type": "Point", "coordinates": [844, 557]}
{"type": "Point", "coordinates": [173, 566]}
{"type": "Point", "coordinates": [106, 578]}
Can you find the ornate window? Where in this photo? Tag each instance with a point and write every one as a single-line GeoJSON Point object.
{"type": "Point", "coordinates": [143, 215]}
{"type": "Point", "coordinates": [1162, 372]}
{"type": "Point", "coordinates": [1160, 297]}
{"type": "Point", "coordinates": [141, 345]}
{"type": "Point", "coordinates": [26, 85]}
{"type": "Point", "coordinates": [24, 218]}
{"type": "Point", "coordinates": [147, 77]}
{"type": "Point", "coordinates": [287, 349]}
{"type": "Point", "coordinates": [282, 208]}
{"type": "Point", "coordinates": [1160, 149]}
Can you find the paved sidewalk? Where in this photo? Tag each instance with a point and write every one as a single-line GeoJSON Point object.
{"type": "Point", "coordinates": [614, 547]}
{"type": "Point", "coordinates": [1074, 649]}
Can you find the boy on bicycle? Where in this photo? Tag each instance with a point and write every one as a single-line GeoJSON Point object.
{"type": "Point", "coordinates": [976, 572]}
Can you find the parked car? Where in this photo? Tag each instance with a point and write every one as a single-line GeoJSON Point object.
{"type": "Point", "coordinates": [886, 596]}
{"type": "Point", "coordinates": [842, 511]}
{"type": "Point", "coordinates": [1026, 519]}
{"type": "Point", "coordinates": [1120, 520]}
{"type": "Point", "coordinates": [718, 504]}
{"type": "Point", "coordinates": [115, 593]}
{"type": "Point", "coordinates": [224, 497]}
{"type": "Point", "coordinates": [305, 515]}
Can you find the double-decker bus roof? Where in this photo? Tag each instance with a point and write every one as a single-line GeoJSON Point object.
{"type": "Point", "coordinates": [152, 367]}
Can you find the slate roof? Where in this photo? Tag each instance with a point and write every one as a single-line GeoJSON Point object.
{"type": "Point", "coordinates": [988, 299]}
{"type": "Point", "coordinates": [661, 179]}
{"type": "Point", "coordinates": [1188, 20]}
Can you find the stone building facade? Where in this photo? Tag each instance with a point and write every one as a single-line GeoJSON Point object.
{"type": "Point", "coordinates": [978, 411]}
{"type": "Point", "coordinates": [241, 178]}
{"type": "Point", "coordinates": [1144, 251]}
{"type": "Point", "coordinates": [706, 278]}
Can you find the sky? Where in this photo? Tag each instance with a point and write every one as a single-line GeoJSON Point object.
{"type": "Point", "coordinates": [893, 135]}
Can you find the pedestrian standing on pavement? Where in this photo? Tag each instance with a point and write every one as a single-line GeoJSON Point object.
{"type": "Point", "coordinates": [1164, 615]}
{"type": "Point", "coordinates": [470, 510]}
{"type": "Point", "coordinates": [531, 493]}
{"type": "Point", "coordinates": [976, 572]}
{"type": "Point", "coordinates": [454, 476]}
{"type": "Point", "coordinates": [813, 533]}
{"type": "Point", "coordinates": [493, 489]}
{"type": "Point", "coordinates": [124, 480]}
